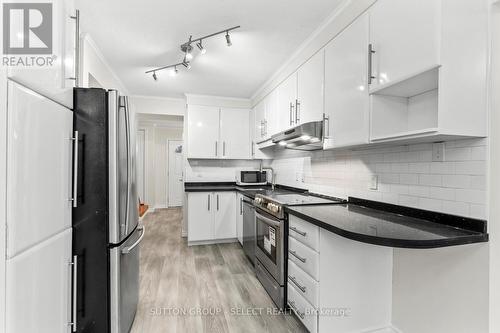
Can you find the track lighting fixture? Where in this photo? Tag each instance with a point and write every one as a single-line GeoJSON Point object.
{"type": "Point", "coordinates": [187, 49]}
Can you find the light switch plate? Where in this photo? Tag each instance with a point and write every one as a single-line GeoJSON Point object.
{"type": "Point", "coordinates": [374, 182]}
{"type": "Point", "coordinates": [438, 152]}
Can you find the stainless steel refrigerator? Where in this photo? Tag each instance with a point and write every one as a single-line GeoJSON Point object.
{"type": "Point", "coordinates": [106, 234]}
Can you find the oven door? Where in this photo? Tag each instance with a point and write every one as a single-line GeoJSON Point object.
{"type": "Point", "coordinates": [269, 244]}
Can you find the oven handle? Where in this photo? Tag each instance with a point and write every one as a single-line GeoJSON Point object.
{"type": "Point", "coordinates": [267, 220]}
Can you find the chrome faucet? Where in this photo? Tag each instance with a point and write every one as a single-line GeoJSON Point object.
{"type": "Point", "coordinates": [273, 175]}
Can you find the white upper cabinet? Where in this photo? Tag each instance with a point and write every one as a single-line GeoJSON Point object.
{"type": "Point", "coordinates": [55, 81]}
{"type": "Point", "coordinates": [287, 99]}
{"type": "Point", "coordinates": [203, 132]}
{"type": "Point", "coordinates": [271, 125]}
{"type": "Point", "coordinates": [39, 168]}
{"type": "Point", "coordinates": [404, 35]}
{"type": "Point", "coordinates": [235, 133]}
{"type": "Point", "coordinates": [310, 90]}
{"type": "Point", "coordinates": [225, 212]}
{"type": "Point", "coordinates": [346, 91]}
{"type": "Point", "coordinates": [259, 112]}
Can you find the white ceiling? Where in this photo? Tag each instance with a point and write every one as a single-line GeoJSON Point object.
{"type": "Point", "coordinates": [135, 36]}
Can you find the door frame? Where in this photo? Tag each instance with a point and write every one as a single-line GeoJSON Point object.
{"type": "Point", "coordinates": [168, 169]}
{"type": "Point", "coordinates": [144, 164]}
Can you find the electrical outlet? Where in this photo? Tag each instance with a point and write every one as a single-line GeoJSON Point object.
{"type": "Point", "coordinates": [438, 152]}
{"type": "Point", "coordinates": [374, 183]}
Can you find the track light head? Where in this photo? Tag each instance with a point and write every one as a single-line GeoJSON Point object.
{"type": "Point", "coordinates": [186, 64]}
{"type": "Point", "coordinates": [228, 39]}
{"type": "Point", "coordinates": [187, 49]}
{"type": "Point", "coordinates": [155, 77]}
{"type": "Point", "coordinates": [200, 46]}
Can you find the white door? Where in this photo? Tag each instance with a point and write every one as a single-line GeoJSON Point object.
{"type": "Point", "coordinates": [225, 211]}
{"type": "Point", "coordinates": [141, 165]}
{"type": "Point", "coordinates": [200, 216]}
{"type": "Point", "coordinates": [310, 88]}
{"type": "Point", "coordinates": [287, 98]}
{"type": "Point", "coordinates": [203, 132]}
{"type": "Point", "coordinates": [272, 120]}
{"type": "Point", "coordinates": [39, 168]}
{"type": "Point", "coordinates": [259, 112]}
{"type": "Point", "coordinates": [38, 287]}
{"type": "Point", "coordinates": [175, 173]}
{"type": "Point", "coordinates": [239, 217]}
{"type": "Point", "coordinates": [234, 133]}
{"type": "Point", "coordinates": [405, 38]}
{"type": "Point", "coordinates": [346, 91]}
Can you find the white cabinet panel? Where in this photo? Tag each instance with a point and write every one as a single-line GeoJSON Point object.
{"type": "Point", "coordinates": [259, 120]}
{"type": "Point", "coordinates": [53, 81]}
{"type": "Point", "coordinates": [287, 98]}
{"type": "Point", "coordinates": [346, 93]}
{"type": "Point", "coordinates": [310, 90]}
{"type": "Point", "coordinates": [304, 257]}
{"type": "Point", "coordinates": [239, 217]}
{"type": "Point", "coordinates": [39, 172]}
{"type": "Point", "coordinates": [200, 216]}
{"type": "Point", "coordinates": [234, 133]}
{"type": "Point", "coordinates": [225, 223]}
{"type": "Point", "coordinates": [303, 309]}
{"type": "Point", "coordinates": [405, 37]}
{"type": "Point", "coordinates": [303, 231]}
{"type": "Point", "coordinates": [271, 125]}
{"type": "Point", "coordinates": [203, 132]}
{"type": "Point", "coordinates": [303, 283]}
{"type": "Point", "coordinates": [38, 287]}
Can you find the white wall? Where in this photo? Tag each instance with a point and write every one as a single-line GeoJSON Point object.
{"type": "Point", "coordinates": [158, 105]}
{"type": "Point", "coordinates": [217, 170]}
{"type": "Point", "coordinates": [94, 63]}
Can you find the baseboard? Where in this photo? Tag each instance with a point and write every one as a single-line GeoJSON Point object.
{"type": "Point", "coordinates": [161, 206]}
{"type": "Point", "coordinates": [213, 241]}
{"type": "Point", "coordinates": [388, 329]}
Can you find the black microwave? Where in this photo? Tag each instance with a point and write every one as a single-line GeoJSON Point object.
{"type": "Point", "coordinates": [251, 177]}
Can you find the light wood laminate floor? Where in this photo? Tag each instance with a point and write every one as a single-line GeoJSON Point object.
{"type": "Point", "coordinates": [207, 288]}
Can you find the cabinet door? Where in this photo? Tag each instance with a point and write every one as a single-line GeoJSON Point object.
{"type": "Point", "coordinates": [200, 216]}
{"type": "Point", "coordinates": [259, 120]}
{"type": "Point", "coordinates": [287, 96]}
{"type": "Point", "coordinates": [203, 132]}
{"type": "Point", "coordinates": [52, 80]}
{"type": "Point", "coordinates": [39, 168]}
{"type": "Point", "coordinates": [225, 212]}
{"type": "Point", "coordinates": [271, 123]}
{"type": "Point", "coordinates": [405, 37]}
{"type": "Point", "coordinates": [234, 133]}
{"type": "Point", "coordinates": [239, 217]}
{"type": "Point", "coordinates": [346, 93]}
{"type": "Point", "coordinates": [38, 287]}
{"type": "Point", "coordinates": [310, 89]}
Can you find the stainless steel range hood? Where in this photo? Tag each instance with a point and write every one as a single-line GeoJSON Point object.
{"type": "Point", "coordinates": [308, 136]}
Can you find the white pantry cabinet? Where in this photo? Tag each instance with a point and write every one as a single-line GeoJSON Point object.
{"type": "Point", "coordinates": [218, 133]}
{"type": "Point", "coordinates": [39, 168]}
{"type": "Point", "coordinates": [211, 216]}
{"type": "Point", "coordinates": [239, 217]}
{"type": "Point", "coordinates": [346, 87]}
{"type": "Point", "coordinates": [234, 133]}
{"type": "Point", "coordinates": [405, 39]}
{"type": "Point", "coordinates": [39, 287]}
{"type": "Point", "coordinates": [56, 81]}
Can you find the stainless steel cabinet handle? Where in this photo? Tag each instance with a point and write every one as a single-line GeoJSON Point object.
{"type": "Point", "coordinates": [127, 250]}
{"type": "Point", "coordinates": [75, 170]}
{"type": "Point", "coordinates": [74, 275]}
{"type": "Point", "coordinates": [326, 126]}
{"type": "Point", "coordinates": [370, 65]}
{"type": "Point", "coordinates": [223, 148]}
{"type": "Point", "coordinates": [216, 153]}
{"type": "Point", "coordinates": [291, 113]}
{"type": "Point", "coordinates": [265, 127]}
{"type": "Point", "coordinates": [217, 202]}
{"type": "Point", "coordinates": [262, 128]}
{"type": "Point", "coordinates": [208, 207]}
{"type": "Point", "coordinates": [253, 148]}
{"type": "Point", "coordinates": [294, 281]}
{"type": "Point", "coordinates": [300, 314]}
{"type": "Point", "coordinates": [241, 206]}
{"type": "Point", "coordinates": [76, 77]}
{"type": "Point", "coordinates": [297, 111]}
{"type": "Point", "coordinates": [302, 233]}
{"type": "Point", "coordinates": [293, 253]}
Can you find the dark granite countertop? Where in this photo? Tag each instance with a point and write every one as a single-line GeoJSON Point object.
{"type": "Point", "coordinates": [248, 190]}
{"type": "Point", "coordinates": [392, 225]}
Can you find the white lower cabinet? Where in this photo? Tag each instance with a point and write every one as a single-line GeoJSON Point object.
{"type": "Point", "coordinates": [211, 216]}
{"type": "Point", "coordinates": [303, 309]}
{"type": "Point", "coordinates": [239, 217]}
{"type": "Point", "coordinates": [38, 287]}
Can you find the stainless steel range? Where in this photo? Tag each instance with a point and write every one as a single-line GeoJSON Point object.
{"type": "Point", "coordinates": [271, 239]}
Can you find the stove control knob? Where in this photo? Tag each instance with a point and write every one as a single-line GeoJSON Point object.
{"type": "Point", "coordinates": [258, 200]}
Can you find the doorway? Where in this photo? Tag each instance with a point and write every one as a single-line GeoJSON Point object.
{"type": "Point", "coordinates": [175, 173]}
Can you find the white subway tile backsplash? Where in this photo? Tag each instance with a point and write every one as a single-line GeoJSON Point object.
{"type": "Point", "coordinates": [407, 175]}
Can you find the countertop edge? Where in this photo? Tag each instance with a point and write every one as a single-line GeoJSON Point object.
{"type": "Point", "coordinates": [392, 242]}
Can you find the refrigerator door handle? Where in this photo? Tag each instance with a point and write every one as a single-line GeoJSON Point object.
{"type": "Point", "coordinates": [75, 170]}
{"type": "Point", "coordinates": [74, 265]}
{"type": "Point", "coordinates": [124, 105]}
{"type": "Point", "coordinates": [137, 242]}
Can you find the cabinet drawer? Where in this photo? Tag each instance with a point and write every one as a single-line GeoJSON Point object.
{"type": "Point", "coordinates": [304, 257]}
{"type": "Point", "coordinates": [304, 232]}
{"type": "Point", "coordinates": [303, 283]}
{"type": "Point", "coordinates": [304, 311]}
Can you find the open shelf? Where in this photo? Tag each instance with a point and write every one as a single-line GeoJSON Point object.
{"type": "Point", "coordinates": [411, 86]}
